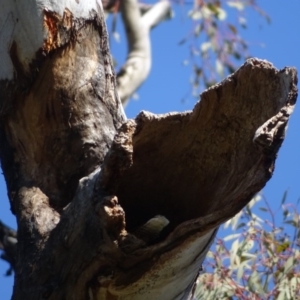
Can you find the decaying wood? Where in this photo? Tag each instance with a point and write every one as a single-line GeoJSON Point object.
{"type": "Point", "coordinates": [197, 168]}
{"type": "Point", "coordinates": [59, 112]}
{"type": "Point", "coordinates": [221, 153]}
{"type": "Point", "coordinates": [81, 179]}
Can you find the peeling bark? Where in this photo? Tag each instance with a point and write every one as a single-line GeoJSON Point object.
{"type": "Point", "coordinates": [76, 82]}
{"type": "Point", "coordinates": [82, 180]}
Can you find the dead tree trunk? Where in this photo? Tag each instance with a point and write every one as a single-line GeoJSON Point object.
{"type": "Point", "coordinates": [74, 166]}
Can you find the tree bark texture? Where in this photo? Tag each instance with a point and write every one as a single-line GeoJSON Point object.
{"type": "Point", "coordinates": [82, 179]}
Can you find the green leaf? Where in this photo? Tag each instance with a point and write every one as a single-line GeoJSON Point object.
{"type": "Point", "coordinates": [236, 4]}
{"type": "Point", "coordinates": [212, 7]}
{"type": "Point", "coordinates": [219, 68]}
{"type": "Point", "coordinates": [198, 30]}
{"type": "Point", "coordinates": [282, 247]}
{"type": "Point", "coordinates": [243, 22]}
{"type": "Point", "coordinates": [248, 211]}
{"type": "Point", "coordinates": [221, 14]}
{"type": "Point", "coordinates": [289, 265]}
{"type": "Point", "coordinates": [205, 46]}
{"type": "Point", "coordinates": [263, 209]}
{"type": "Point", "coordinates": [294, 283]}
{"type": "Point", "coordinates": [291, 222]}
{"type": "Point", "coordinates": [281, 296]}
{"type": "Point", "coordinates": [231, 237]}
{"type": "Point", "coordinates": [241, 225]}
{"type": "Point", "coordinates": [284, 197]}
{"type": "Point", "coordinates": [195, 14]}
{"type": "Point", "coordinates": [237, 55]}
{"type": "Point", "coordinates": [232, 28]}
{"type": "Point", "coordinates": [254, 283]}
{"type": "Point", "coordinates": [285, 213]}
{"type": "Point", "coordinates": [181, 42]}
{"type": "Point", "coordinates": [233, 257]}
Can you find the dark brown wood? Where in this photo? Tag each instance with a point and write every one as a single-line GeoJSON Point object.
{"type": "Point", "coordinates": [56, 125]}
{"type": "Point", "coordinates": [189, 165]}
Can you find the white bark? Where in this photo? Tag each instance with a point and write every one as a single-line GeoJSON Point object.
{"type": "Point", "coordinates": [172, 276]}
{"type": "Point", "coordinates": [157, 13]}
{"type": "Point", "coordinates": [22, 23]}
{"type": "Point", "coordinates": [138, 63]}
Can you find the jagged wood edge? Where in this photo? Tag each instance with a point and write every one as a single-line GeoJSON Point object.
{"type": "Point", "coordinates": [267, 139]}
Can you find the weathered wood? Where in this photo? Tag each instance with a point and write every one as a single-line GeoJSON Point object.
{"type": "Point", "coordinates": [187, 165]}
{"type": "Point", "coordinates": [198, 169]}
{"type": "Point", "coordinates": [81, 179]}
{"type": "Point", "coordinates": [59, 112]}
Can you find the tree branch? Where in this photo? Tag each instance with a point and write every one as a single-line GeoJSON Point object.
{"type": "Point", "coordinates": [157, 13]}
{"type": "Point", "coordinates": [197, 169]}
{"type": "Point", "coordinates": [239, 121]}
{"type": "Point", "coordinates": [137, 26]}
{"type": "Point", "coordinates": [8, 244]}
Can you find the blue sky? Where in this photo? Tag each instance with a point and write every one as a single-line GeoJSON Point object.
{"type": "Point", "coordinates": [168, 84]}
